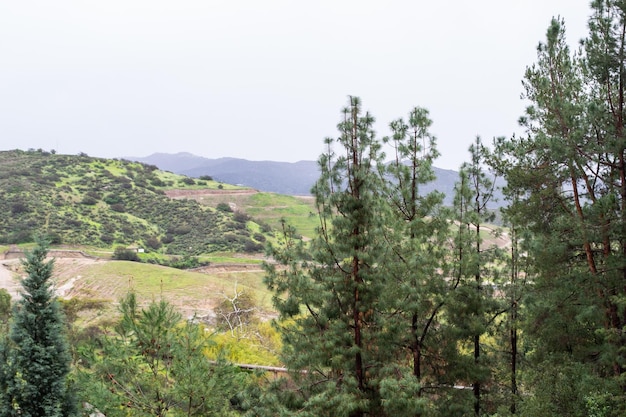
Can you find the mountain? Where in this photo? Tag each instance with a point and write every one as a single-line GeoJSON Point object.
{"type": "Point", "coordinates": [279, 177]}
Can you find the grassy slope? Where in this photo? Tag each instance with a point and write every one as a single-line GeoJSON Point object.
{"type": "Point", "coordinates": [190, 292]}
{"type": "Point", "coordinates": [154, 282]}
{"type": "Point", "coordinates": [270, 208]}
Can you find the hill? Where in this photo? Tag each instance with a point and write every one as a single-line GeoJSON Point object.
{"type": "Point", "coordinates": [80, 200]}
{"type": "Point", "coordinates": [278, 177]}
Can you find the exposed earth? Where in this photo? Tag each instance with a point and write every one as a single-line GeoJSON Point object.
{"type": "Point", "coordinates": [66, 273]}
{"type": "Point", "coordinates": [8, 280]}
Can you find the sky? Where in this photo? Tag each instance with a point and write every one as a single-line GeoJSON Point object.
{"type": "Point", "coordinates": [262, 80]}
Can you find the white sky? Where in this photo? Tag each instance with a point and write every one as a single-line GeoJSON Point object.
{"type": "Point", "coordinates": [262, 80]}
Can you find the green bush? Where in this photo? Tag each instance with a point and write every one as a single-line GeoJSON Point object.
{"type": "Point", "coordinates": [107, 238]}
{"type": "Point", "coordinates": [157, 182]}
{"type": "Point", "coordinates": [241, 217]}
{"type": "Point", "coordinates": [153, 243]}
{"type": "Point", "coordinates": [123, 254]}
{"type": "Point", "coordinates": [89, 201]}
{"type": "Point", "coordinates": [118, 207]}
{"type": "Point", "coordinates": [224, 207]}
{"type": "Point", "coordinates": [252, 247]}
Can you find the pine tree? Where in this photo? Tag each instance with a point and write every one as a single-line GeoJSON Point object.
{"type": "Point", "coordinates": [37, 359]}
{"type": "Point", "coordinates": [570, 174]}
{"type": "Point", "coordinates": [417, 233]}
{"type": "Point", "coordinates": [474, 310]}
{"type": "Point", "coordinates": [155, 365]}
{"type": "Point", "coordinates": [333, 304]}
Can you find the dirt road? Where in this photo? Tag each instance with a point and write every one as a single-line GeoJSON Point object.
{"type": "Point", "coordinates": [9, 281]}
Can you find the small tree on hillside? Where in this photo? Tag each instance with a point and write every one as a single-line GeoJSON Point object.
{"type": "Point", "coordinates": [155, 365]}
{"type": "Point", "coordinates": [36, 359]}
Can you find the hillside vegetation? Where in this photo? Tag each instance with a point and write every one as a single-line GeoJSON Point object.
{"type": "Point", "coordinates": [81, 200]}
{"type": "Point", "coordinates": [265, 207]}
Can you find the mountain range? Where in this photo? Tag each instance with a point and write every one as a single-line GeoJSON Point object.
{"type": "Point", "coordinates": [288, 178]}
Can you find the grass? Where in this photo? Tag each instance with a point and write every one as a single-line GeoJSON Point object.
{"type": "Point", "coordinates": [297, 211]}
{"type": "Point", "coordinates": [230, 258]}
{"type": "Point", "coordinates": [191, 292]}
{"type": "Point", "coordinates": [271, 208]}
{"type": "Point", "coordinates": [175, 182]}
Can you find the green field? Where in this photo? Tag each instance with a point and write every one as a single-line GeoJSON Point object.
{"type": "Point", "coordinates": [270, 208]}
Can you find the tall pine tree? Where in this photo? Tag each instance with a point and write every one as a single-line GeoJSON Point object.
{"type": "Point", "coordinates": [348, 335]}
{"type": "Point", "coordinates": [417, 234]}
{"type": "Point", "coordinates": [333, 302]}
{"type": "Point", "coordinates": [37, 360]}
{"type": "Point", "coordinates": [475, 269]}
{"type": "Point", "coordinates": [570, 173]}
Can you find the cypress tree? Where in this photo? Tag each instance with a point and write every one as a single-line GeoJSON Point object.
{"type": "Point", "coordinates": [37, 359]}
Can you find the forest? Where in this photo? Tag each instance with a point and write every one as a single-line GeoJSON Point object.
{"type": "Point", "coordinates": [399, 306]}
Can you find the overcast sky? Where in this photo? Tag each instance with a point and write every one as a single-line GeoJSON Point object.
{"type": "Point", "coordinates": [262, 80]}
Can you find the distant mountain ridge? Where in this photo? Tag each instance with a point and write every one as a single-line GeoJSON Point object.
{"type": "Point", "coordinates": [290, 178]}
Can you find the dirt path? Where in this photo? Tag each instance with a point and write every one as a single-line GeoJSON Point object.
{"type": "Point", "coordinates": [205, 193]}
{"type": "Point", "coordinates": [9, 281]}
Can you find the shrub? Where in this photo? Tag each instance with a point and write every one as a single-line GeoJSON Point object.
{"type": "Point", "coordinates": [153, 243]}
{"type": "Point", "coordinates": [107, 238]}
{"type": "Point", "coordinates": [251, 247]}
{"type": "Point", "coordinates": [188, 181]}
{"type": "Point", "coordinates": [241, 217]}
{"type": "Point", "coordinates": [21, 236]}
{"type": "Point", "coordinates": [19, 208]}
{"type": "Point", "coordinates": [180, 230]}
{"type": "Point", "coordinates": [206, 177]}
{"type": "Point", "coordinates": [123, 254]}
{"type": "Point", "coordinates": [120, 208]}
{"type": "Point", "coordinates": [94, 195]}
{"type": "Point", "coordinates": [157, 182]}
{"type": "Point", "coordinates": [186, 262]}
{"type": "Point", "coordinates": [265, 228]}
{"type": "Point", "coordinates": [89, 201]}
{"type": "Point", "coordinates": [54, 238]}
{"type": "Point", "coordinates": [224, 207]}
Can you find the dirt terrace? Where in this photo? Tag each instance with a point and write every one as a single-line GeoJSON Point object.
{"type": "Point", "coordinates": [200, 193]}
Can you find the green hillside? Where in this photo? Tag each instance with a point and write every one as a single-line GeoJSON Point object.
{"type": "Point", "coordinates": [270, 208]}
{"type": "Point", "coordinates": [81, 200]}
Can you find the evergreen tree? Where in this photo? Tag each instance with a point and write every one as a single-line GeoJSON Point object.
{"type": "Point", "coordinates": [570, 174]}
{"type": "Point", "coordinates": [156, 366]}
{"type": "Point", "coordinates": [36, 361]}
{"type": "Point", "coordinates": [417, 234]}
{"type": "Point", "coordinates": [333, 305]}
{"type": "Point", "coordinates": [475, 269]}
